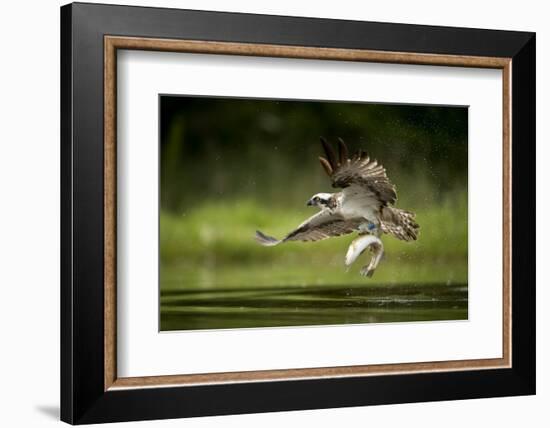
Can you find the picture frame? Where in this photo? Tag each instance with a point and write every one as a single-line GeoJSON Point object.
{"type": "Point", "coordinates": [91, 390]}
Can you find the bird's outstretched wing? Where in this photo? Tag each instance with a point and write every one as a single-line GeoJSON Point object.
{"type": "Point", "coordinates": [357, 171]}
{"type": "Point", "coordinates": [320, 226]}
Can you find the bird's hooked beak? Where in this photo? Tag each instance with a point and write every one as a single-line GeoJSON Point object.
{"type": "Point", "coordinates": [310, 203]}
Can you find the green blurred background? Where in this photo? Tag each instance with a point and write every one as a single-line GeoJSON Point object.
{"type": "Point", "coordinates": [230, 166]}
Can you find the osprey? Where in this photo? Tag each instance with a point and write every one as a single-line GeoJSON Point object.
{"type": "Point", "coordinates": [365, 206]}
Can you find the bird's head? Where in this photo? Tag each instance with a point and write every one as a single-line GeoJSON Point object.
{"type": "Point", "coordinates": [320, 200]}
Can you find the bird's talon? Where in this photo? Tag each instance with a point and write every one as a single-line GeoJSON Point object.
{"type": "Point", "coordinates": [365, 271]}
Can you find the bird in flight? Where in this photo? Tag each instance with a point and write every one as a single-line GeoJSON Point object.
{"type": "Point", "coordinates": [364, 205]}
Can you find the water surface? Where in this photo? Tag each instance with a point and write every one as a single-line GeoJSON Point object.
{"type": "Point", "coordinates": [306, 306]}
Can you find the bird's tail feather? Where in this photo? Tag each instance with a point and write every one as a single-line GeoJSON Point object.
{"type": "Point", "coordinates": [265, 240]}
{"type": "Point", "coordinates": [399, 223]}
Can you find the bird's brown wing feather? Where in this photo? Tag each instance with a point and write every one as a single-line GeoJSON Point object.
{"type": "Point", "coordinates": [358, 170]}
{"type": "Point", "coordinates": [321, 226]}
{"type": "Point", "coordinates": [330, 229]}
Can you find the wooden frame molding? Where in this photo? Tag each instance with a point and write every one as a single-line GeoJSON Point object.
{"type": "Point", "coordinates": [113, 43]}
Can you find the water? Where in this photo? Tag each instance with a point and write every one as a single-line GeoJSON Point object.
{"type": "Point", "coordinates": [307, 306]}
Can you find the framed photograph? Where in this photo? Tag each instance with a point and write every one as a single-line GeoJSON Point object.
{"type": "Point", "coordinates": [266, 213]}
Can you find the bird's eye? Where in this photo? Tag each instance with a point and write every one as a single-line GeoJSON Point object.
{"type": "Point", "coordinates": [316, 199]}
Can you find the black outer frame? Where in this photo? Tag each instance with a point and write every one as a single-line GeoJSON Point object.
{"type": "Point", "coordinates": [83, 399]}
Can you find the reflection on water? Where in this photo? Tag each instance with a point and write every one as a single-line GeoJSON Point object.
{"type": "Point", "coordinates": [303, 306]}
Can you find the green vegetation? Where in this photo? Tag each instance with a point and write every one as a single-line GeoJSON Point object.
{"type": "Point", "coordinates": [213, 246]}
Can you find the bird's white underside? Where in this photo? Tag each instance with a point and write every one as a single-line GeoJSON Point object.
{"type": "Point", "coordinates": [355, 202]}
